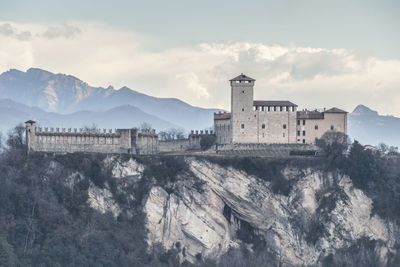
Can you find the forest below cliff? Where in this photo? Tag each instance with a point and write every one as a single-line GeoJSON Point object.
{"type": "Point", "coordinates": [47, 219]}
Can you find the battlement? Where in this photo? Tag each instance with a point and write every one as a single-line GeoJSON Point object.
{"type": "Point", "coordinates": [75, 132]}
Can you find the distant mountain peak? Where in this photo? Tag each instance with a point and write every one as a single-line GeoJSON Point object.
{"type": "Point", "coordinates": [364, 110]}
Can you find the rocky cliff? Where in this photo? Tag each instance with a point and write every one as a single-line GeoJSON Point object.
{"type": "Point", "coordinates": [211, 208]}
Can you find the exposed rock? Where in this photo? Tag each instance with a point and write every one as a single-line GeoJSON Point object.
{"type": "Point", "coordinates": [101, 200]}
{"type": "Point", "coordinates": [196, 220]}
{"type": "Point", "coordinates": [127, 168]}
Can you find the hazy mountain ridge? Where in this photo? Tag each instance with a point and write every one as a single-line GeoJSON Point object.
{"type": "Point", "coordinates": [368, 127]}
{"type": "Point", "coordinates": [12, 113]}
{"type": "Point", "coordinates": [67, 94]}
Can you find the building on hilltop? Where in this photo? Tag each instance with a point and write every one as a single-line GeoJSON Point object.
{"type": "Point", "coordinates": [120, 141]}
{"type": "Point", "coordinates": [271, 122]}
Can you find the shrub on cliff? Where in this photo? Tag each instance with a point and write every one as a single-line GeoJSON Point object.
{"type": "Point", "coordinates": [207, 142]}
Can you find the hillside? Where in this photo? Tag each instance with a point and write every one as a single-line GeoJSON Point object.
{"type": "Point", "coordinates": [66, 94]}
{"type": "Point", "coordinates": [98, 210]}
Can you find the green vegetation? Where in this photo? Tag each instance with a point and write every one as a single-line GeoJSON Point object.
{"type": "Point", "coordinates": [45, 218]}
{"type": "Point", "coordinates": [207, 142]}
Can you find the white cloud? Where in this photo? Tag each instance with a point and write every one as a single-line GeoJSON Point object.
{"type": "Point", "coordinates": [199, 74]}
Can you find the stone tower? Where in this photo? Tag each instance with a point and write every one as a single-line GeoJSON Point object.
{"type": "Point", "coordinates": [242, 121]}
{"type": "Point", "coordinates": [30, 134]}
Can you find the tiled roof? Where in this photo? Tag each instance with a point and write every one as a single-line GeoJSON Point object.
{"type": "Point", "coordinates": [222, 116]}
{"type": "Point", "coordinates": [273, 103]}
{"type": "Point", "coordinates": [310, 115]}
{"type": "Point", "coordinates": [242, 77]}
{"type": "Point", "coordinates": [335, 110]}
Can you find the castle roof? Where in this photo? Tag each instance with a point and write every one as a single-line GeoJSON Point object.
{"type": "Point", "coordinates": [335, 110]}
{"type": "Point", "coordinates": [222, 116]}
{"type": "Point", "coordinates": [242, 77]}
{"type": "Point", "coordinates": [316, 115]}
{"type": "Point", "coordinates": [30, 121]}
{"type": "Point", "coordinates": [273, 103]}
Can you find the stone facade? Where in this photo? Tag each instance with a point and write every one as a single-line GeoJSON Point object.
{"type": "Point", "coordinates": [130, 141]}
{"type": "Point", "coordinates": [271, 122]}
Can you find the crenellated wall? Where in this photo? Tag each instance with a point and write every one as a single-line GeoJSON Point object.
{"type": "Point", "coordinates": [190, 143]}
{"type": "Point", "coordinates": [89, 140]}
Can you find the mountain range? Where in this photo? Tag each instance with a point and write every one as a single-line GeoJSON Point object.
{"type": "Point", "coordinates": [67, 95]}
{"type": "Point", "coordinates": [59, 100]}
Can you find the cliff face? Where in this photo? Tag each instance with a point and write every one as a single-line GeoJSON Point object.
{"type": "Point", "coordinates": [213, 208]}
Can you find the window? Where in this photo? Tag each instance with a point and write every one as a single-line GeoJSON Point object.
{"type": "Point", "coordinates": [316, 127]}
{"type": "Point", "coordinates": [304, 122]}
{"type": "Point", "coordinates": [243, 91]}
{"type": "Point", "coordinates": [332, 127]}
{"type": "Point", "coordinates": [293, 108]}
{"type": "Point", "coordinates": [298, 133]}
{"type": "Point", "coordinates": [262, 108]}
{"type": "Point", "coordinates": [284, 126]}
{"type": "Point", "coordinates": [298, 122]}
{"type": "Point", "coordinates": [304, 133]}
{"type": "Point", "coordinates": [269, 108]}
{"type": "Point", "coordinates": [263, 126]}
{"type": "Point", "coordinates": [304, 141]}
{"type": "Point", "coordinates": [281, 108]}
{"type": "Point", "coordinates": [287, 108]}
{"type": "Point", "coordinates": [242, 109]}
{"type": "Point", "coordinates": [242, 126]}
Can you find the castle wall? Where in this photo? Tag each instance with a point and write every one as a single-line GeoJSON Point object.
{"type": "Point", "coordinates": [191, 143]}
{"type": "Point", "coordinates": [146, 143]}
{"type": "Point", "coordinates": [311, 129]}
{"type": "Point", "coordinates": [50, 140]}
{"type": "Point", "coordinates": [275, 126]}
{"type": "Point", "coordinates": [222, 128]}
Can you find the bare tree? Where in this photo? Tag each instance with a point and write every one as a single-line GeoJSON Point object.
{"type": "Point", "coordinates": [171, 134]}
{"type": "Point", "coordinates": [145, 126]}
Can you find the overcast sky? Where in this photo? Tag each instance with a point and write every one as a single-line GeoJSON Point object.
{"type": "Point", "coordinates": [314, 53]}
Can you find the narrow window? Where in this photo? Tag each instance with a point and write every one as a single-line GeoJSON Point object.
{"type": "Point", "coordinates": [298, 133]}
{"type": "Point", "coordinates": [316, 127]}
{"type": "Point", "coordinates": [262, 108]}
{"type": "Point", "coordinates": [274, 108]}
{"type": "Point", "coordinates": [304, 133]}
{"type": "Point", "coordinates": [287, 108]}
{"type": "Point", "coordinates": [332, 128]}
{"type": "Point", "coordinates": [281, 108]}
{"type": "Point", "coordinates": [284, 126]}
{"type": "Point", "coordinates": [242, 109]}
{"type": "Point", "coordinates": [269, 108]}
{"type": "Point", "coordinates": [292, 108]}
{"type": "Point", "coordinates": [304, 122]}
{"type": "Point", "coordinates": [304, 141]}
{"type": "Point", "coordinates": [243, 91]}
{"type": "Point", "coordinates": [298, 122]}
{"type": "Point", "coordinates": [242, 126]}
{"type": "Point", "coordinates": [263, 126]}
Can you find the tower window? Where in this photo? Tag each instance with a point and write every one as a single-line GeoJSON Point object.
{"type": "Point", "coordinates": [242, 109]}
{"type": "Point", "coordinates": [274, 108]}
{"type": "Point", "coordinates": [304, 141]}
{"type": "Point", "coordinates": [269, 108]}
{"type": "Point", "coordinates": [298, 122]}
{"type": "Point", "coordinates": [316, 127]}
{"type": "Point", "coordinates": [242, 126]}
{"type": "Point", "coordinates": [280, 108]}
{"type": "Point", "coordinates": [304, 122]}
{"type": "Point", "coordinates": [284, 126]}
{"type": "Point", "coordinates": [243, 91]}
{"type": "Point", "coordinates": [263, 126]}
{"type": "Point", "coordinates": [298, 133]}
{"type": "Point", "coordinates": [332, 127]}
{"type": "Point", "coordinates": [304, 133]}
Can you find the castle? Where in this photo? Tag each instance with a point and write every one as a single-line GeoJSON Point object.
{"type": "Point", "coordinates": [271, 122]}
{"type": "Point", "coordinates": [127, 141]}
{"type": "Point", "coordinates": [252, 124]}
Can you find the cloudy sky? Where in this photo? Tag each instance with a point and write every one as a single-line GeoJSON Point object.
{"type": "Point", "coordinates": [314, 53]}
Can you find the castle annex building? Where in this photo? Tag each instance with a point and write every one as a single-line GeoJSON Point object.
{"type": "Point", "coordinates": [272, 122]}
